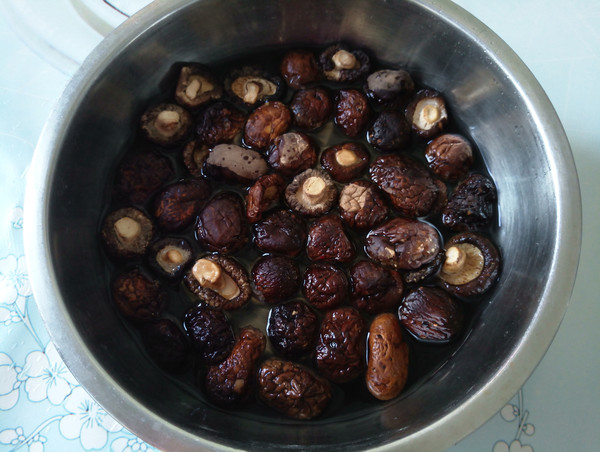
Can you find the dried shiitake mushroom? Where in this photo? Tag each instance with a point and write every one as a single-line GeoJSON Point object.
{"type": "Point", "coordinates": [351, 112]}
{"type": "Point", "coordinates": [346, 161]}
{"type": "Point", "coordinates": [127, 232]}
{"type": "Point", "coordinates": [196, 86]}
{"type": "Point", "coordinates": [166, 124]}
{"type": "Point", "coordinates": [328, 241]}
{"type": "Point", "coordinates": [234, 164]}
{"type": "Point", "coordinates": [374, 288]}
{"type": "Point", "coordinates": [431, 315]}
{"type": "Point", "coordinates": [325, 286]}
{"type": "Point", "coordinates": [339, 63]}
{"type": "Point", "coordinates": [221, 224]}
{"type": "Point", "coordinates": [167, 345]}
{"type": "Point", "coordinates": [219, 281]}
{"type": "Point", "coordinates": [299, 68]}
{"type": "Point", "coordinates": [449, 156]}
{"type": "Point", "coordinates": [311, 108]}
{"type": "Point", "coordinates": [265, 124]}
{"type": "Point", "coordinates": [403, 243]}
{"type": "Point", "coordinates": [138, 297]}
{"type": "Point", "coordinates": [176, 206]}
{"type": "Point", "coordinates": [252, 85]}
{"type": "Point", "coordinates": [292, 153]}
{"type": "Point", "coordinates": [389, 132]}
{"type": "Point", "coordinates": [280, 232]}
{"type": "Point", "coordinates": [292, 389]}
{"type": "Point", "coordinates": [263, 195]}
{"type": "Point", "coordinates": [427, 113]}
{"type": "Point", "coordinates": [472, 265]}
{"type": "Point", "coordinates": [471, 206]}
{"type": "Point", "coordinates": [169, 256]}
{"type": "Point", "coordinates": [387, 86]}
{"type": "Point", "coordinates": [361, 205]}
{"type": "Point", "coordinates": [292, 328]}
{"type": "Point", "coordinates": [195, 154]}
{"type": "Point", "coordinates": [140, 174]}
{"type": "Point", "coordinates": [275, 278]}
{"type": "Point", "coordinates": [311, 193]}
{"type": "Point", "coordinates": [219, 123]}
{"type": "Point", "coordinates": [210, 332]}
{"type": "Point", "coordinates": [409, 185]}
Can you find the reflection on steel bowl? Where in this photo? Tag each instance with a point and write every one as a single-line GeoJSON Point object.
{"type": "Point", "coordinates": [488, 91]}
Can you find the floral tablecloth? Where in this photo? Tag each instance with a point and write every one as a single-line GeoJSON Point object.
{"type": "Point", "coordinates": [42, 407]}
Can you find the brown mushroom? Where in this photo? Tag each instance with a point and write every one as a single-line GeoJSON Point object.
{"type": "Point", "coordinates": [263, 195]}
{"type": "Point", "coordinates": [176, 206]}
{"type": "Point", "coordinates": [472, 205]}
{"type": "Point", "coordinates": [234, 164]}
{"type": "Point", "coordinates": [328, 241]}
{"type": "Point", "coordinates": [221, 225]}
{"type": "Point", "coordinates": [251, 85]}
{"type": "Point", "coordinates": [449, 156]}
{"type": "Point", "coordinates": [265, 124]}
{"type": "Point", "coordinates": [275, 278]}
{"type": "Point", "coordinates": [127, 232]}
{"type": "Point", "coordinates": [219, 123]}
{"type": "Point", "coordinates": [388, 86]}
{"type": "Point", "coordinates": [196, 86]}
{"type": "Point", "coordinates": [311, 107]}
{"type": "Point", "coordinates": [292, 153]}
{"type": "Point", "coordinates": [195, 154]}
{"type": "Point", "coordinates": [339, 63]}
{"type": "Point", "coordinates": [472, 265]}
{"type": "Point", "coordinates": [346, 161]}
{"type": "Point", "coordinates": [361, 205]}
{"type": "Point", "coordinates": [169, 256]}
{"type": "Point", "coordinates": [299, 67]}
{"type": "Point", "coordinates": [280, 232]}
{"type": "Point", "coordinates": [138, 297]}
{"type": "Point", "coordinates": [219, 281]}
{"type": "Point", "coordinates": [311, 192]}
{"type": "Point", "coordinates": [427, 113]}
{"type": "Point", "coordinates": [166, 124]}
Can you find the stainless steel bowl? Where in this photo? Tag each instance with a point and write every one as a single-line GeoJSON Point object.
{"type": "Point", "coordinates": [489, 91]}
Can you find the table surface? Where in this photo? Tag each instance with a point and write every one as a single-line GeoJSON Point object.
{"type": "Point", "coordinates": [42, 407]}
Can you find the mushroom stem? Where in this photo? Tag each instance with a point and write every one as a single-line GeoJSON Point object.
{"type": "Point", "coordinates": [345, 157]}
{"type": "Point", "coordinates": [127, 228]}
{"type": "Point", "coordinates": [430, 113]}
{"type": "Point", "coordinates": [167, 121]}
{"type": "Point", "coordinates": [251, 91]}
{"type": "Point", "coordinates": [344, 60]}
{"type": "Point", "coordinates": [209, 275]}
{"type": "Point", "coordinates": [313, 189]}
{"type": "Point", "coordinates": [455, 260]}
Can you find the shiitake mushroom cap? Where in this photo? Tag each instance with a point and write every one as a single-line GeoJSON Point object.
{"type": "Point", "coordinates": [127, 232]}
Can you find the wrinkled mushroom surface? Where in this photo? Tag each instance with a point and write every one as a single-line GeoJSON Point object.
{"type": "Point", "coordinates": [263, 195]}
{"type": "Point", "coordinates": [221, 225]}
{"type": "Point", "coordinates": [292, 153]}
{"type": "Point", "coordinates": [138, 297]}
{"type": "Point", "coordinates": [177, 205]}
{"type": "Point", "coordinates": [219, 123]}
{"type": "Point", "coordinates": [219, 281]}
{"type": "Point", "coordinates": [361, 205]}
{"type": "Point", "coordinates": [471, 206]}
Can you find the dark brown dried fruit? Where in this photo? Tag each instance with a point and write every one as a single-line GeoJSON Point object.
{"type": "Point", "coordinates": [403, 243]}
{"type": "Point", "coordinates": [340, 351]}
{"type": "Point", "coordinates": [311, 193]}
{"type": "Point", "coordinates": [252, 85]}
{"type": "Point", "coordinates": [325, 286]}
{"type": "Point", "coordinates": [472, 265]}
{"type": "Point", "coordinates": [298, 68]}
{"type": "Point", "coordinates": [140, 175]}
{"type": "Point", "coordinates": [222, 224]}
{"type": "Point", "coordinates": [427, 113]}
{"type": "Point", "coordinates": [281, 232]}
{"type": "Point", "coordinates": [389, 132]}
{"type": "Point", "coordinates": [362, 205]}
{"type": "Point", "coordinates": [410, 187]}
{"type": "Point", "coordinates": [431, 315]}
{"type": "Point", "coordinates": [265, 124]}
{"type": "Point", "coordinates": [167, 345]}
{"type": "Point", "coordinates": [449, 156]}
{"type": "Point", "coordinates": [232, 380]}
{"type": "Point", "coordinates": [263, 195]}
{"type": "Point", "coordinates": [219, 123]}
{"type": "Point", "coordinates": [138, 297]}
{"type": "Point", "coordinates": [339, 63]}
{"type": "Point", "coordinates": [292, 389]}
{"type": "Point", "coordinates": [127, 232]}
{"type": "Point", "coordinates": [210, 333]}
{"type": "Point", "coordinates": [373, 288]}
{"type": "Point", "coordinates": [219, 281]}
{"type": "Point", "coordinates": [166, 124]}
{"type": "Point", "coordinates": [176, 206]}
{"type": "Point", "coordinates": [471, 205]}
{"type": "Point", "coordinates": [292, 153]}
{"type": "Point", "coordinates": [346, 161]}
{"type": "Point", "coordinates": [194, 155]}
{"type": "Point", "coordinates": [170, 256]}
{"type": "Point", "coordinates": [292, 328]}
{"type": "Point", "coordinates": [388, 86]}
{"type": "Point", "coordinates": [234, 164]}
{"type": "Point", "coordinates": [387, 363]}
{"type": "Point", "coordinates": [311, 108]}
{"type": "Point", "coordinates": [196, 86]}
{"type": "Point", "coordinates": [327, 240]}
{"type": "Point", "coordinates": [275, 278]}
{"type": "Point", "coordinates": [352, 112]}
